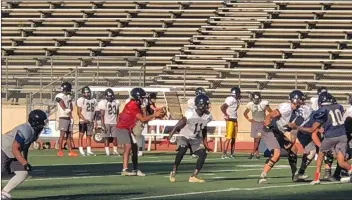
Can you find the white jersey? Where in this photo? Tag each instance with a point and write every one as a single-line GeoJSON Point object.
{"type": "Point", "coordinates": [195, 124]}
{"type": "Point", "coordinates": [88, 108]}
{"type": "Point", "coordinates": [348, 113]}
{"type": "Point", "coordinates": [233, 105]}
{"type": "Point", "coordinates": [190, 102]}
{"type": "Point", "coordinates": [286, 111]}
{"type": "Point", "coordinates": [305, 111]}
{"type": "Point", "coordinates": [314, 103]}
{"type": "Point", "coordinates": [67, 99]}
{"type": "Point", "coordinates": [111, 110]}
{"type": "Point", "coordinates": [258, 110]}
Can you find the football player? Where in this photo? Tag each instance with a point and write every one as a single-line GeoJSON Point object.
{"type": "Point", "coordinates": [275, 137]}
{"type": "Point", "coordinates": [314, 99]}
{"type": "Point", "coordinates": [109, 111]}
{"type": "Point", "coordinates": [229, 109]}
{"type": "Point", "coordinates": [65, 125]}
{"type": "Point", "coordinates": [193, 130]}
{"type": "Point", "coordinates": [258, 107]}
{"type": "Point", "coordinates": [126, 122]}
{"type": "Point", "coordinates": [86, 106]}
{"type": "Point", "coordinates": [14, 149]}
{"type": "Point", "coordinates": [330, 117]}
{"type": "Point", "coordinates": [197, 92]}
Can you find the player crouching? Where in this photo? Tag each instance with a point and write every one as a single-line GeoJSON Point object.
{"type": "Point", "coordinates": [193, 130]}
{"type": "Point", "coordinates": [14, 149]}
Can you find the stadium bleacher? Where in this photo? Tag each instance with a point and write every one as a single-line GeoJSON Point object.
{"type": "Point", "coordinates": [181, 44]}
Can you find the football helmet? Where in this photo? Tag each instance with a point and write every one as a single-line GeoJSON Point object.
{"type": "Point", "coordinates": [256, 97]}
{"type": "Point", "coordinates": [66, 87]}
{"type": "Point", "coordinates": [236, 92]}
{"type": "Point", "coordinates": [296, 97]}
{"type": "Point", "coordinates": [321, 90]}
{"type": "Point", "coordinates": [109, 95]}
{"type": "Point", "coordinates": [86, 92]}
{"type": "Point", "coordinates": [202, 102]}
{"type": "Point", "coordinates": [199, 91]}
{"type": "Point", "coordinates": [325, 98]}
{"type": "Point", "coordinates": [38, 120]}
{"type": "Point", "coordinates": [138, 94]}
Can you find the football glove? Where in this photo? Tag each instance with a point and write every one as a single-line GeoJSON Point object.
{"type": "Point", "coordinates": [28, 167]}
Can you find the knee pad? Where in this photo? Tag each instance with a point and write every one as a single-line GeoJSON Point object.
{"type": "Point", "coordinates": [311, 154]}
{"type": "Point", "coordinates": [182, 149]}
{"type": "Point", "coordinates": [329, 158]}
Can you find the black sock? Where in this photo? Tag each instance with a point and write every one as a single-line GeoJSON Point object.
{"type": "Point", "coordinates": [135, 156]}
{"type": "Point", "coordinates": [337, 172]}
{"type": "Point", "coordinates": [202, 155]}
{"type": "Point", "coordinates": [304, 164]}
{"type": "Point", "coordinates": [179, 156]}
{"type": "Point", "coordinates": [292, 160]}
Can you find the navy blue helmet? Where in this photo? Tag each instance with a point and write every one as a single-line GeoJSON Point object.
{"type": "Point", "coordinates": [37, 119]}
{"type": "Point", "coordinates": [236, 91]}
{"type": "Point", "coordinates": [199, 91]}
{"type": "Point", "coordinates": [202, 102]}
{"type": "Point", "coordinates": [325, 98]}
{"type": "Point", "coordinates": [109, 94]}
{"type": "Point", "coordinates": [138, 94]}
{"type": "Point", "coordinates": [321, 90]}
{"type": "Point", "coordinates": [66, 87]}
{"type": "Point", "coordinates": [296, 97]}
{"type": "Point", "coordinates": [256, 97]}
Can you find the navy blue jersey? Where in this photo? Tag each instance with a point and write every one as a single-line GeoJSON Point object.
{"type": "Point", "coordinates": [331, 118]}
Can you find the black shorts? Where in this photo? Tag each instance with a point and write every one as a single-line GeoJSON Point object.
{"type": "Point", "coordinates": [10, 164]}
{"type": "Point", "coordinates": [86, 128]}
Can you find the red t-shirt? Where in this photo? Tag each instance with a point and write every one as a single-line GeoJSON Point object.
{"type": "Point", "coordinates": [127, 118]}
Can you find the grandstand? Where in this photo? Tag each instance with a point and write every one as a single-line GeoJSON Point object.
{"type": "Point", "coordinates": [267, 46]}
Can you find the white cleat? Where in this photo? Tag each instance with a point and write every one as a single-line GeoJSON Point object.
{"type": "Point", "coordinates": [140, 153]}
{"type": "Point", "coordinates": [262, 180]}
{"type": "Point", "coordinates": [82, 154]}
{"type": "Point", "coordinates": [5, 195]}
{"type": "Point", "coordinates": [346, 180]}
{"type": "Point", "coordinates": [107, 153]}
{"type": "Point", "coordinates": [116, 153]}
{"type": "Point", "coordinates": [317, 182]}
{"type": "Point", "coordinates": [91, 154]}
{"type": "Point", "coordinates": [139, 173]}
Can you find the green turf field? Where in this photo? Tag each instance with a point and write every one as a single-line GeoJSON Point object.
{"type": "Point", "coordinates": [98, 178]}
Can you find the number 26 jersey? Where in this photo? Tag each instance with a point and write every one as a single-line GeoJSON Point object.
{"type": "Point", "coordinates": [88, 108]}
{"type": "Point", "coordinates": [195, 124]}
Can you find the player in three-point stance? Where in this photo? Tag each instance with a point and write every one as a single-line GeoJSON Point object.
{"type": "Point", "coordinates": [86, 106]}
{"type": "Point", "coordinates": [274, 134]}
{"type": "Point", "coordinates": [109, 111]}
{"type": "Point", "coordinates": [229, 109]}
{"type": "Point", "coordinates": [257, 106]}
{"type": "Point", "coordinates": [126, 122]}
{"type": "Point", "coordinates": [193, 130]}
{"type": "Point", "coordinates": [14, 149]}
{"type": "Point", "coordinates": [330, 118]}
{"type": "Point", "coordinates": [64, 111]}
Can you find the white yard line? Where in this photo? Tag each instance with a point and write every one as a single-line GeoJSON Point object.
{"type": "Point", "coordinates": [224, 190]}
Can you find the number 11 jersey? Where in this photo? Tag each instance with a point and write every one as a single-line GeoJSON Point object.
{"type": "Point", "coordinates": [195, 124]}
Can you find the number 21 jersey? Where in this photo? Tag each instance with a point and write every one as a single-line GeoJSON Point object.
{"type": "Point", "coordinates": [195, 124]}
{"type": "Point", "coordinates": [88, 108]}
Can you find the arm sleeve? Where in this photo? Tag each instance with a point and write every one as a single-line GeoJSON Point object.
{"type": "Point", "coordinates": [80, 102]}
{"type": "Point", "coordinates": [20, 138]}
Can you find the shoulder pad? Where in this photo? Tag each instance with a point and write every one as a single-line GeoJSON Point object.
{"type": "Point", "coordinates": [264, 103]}
{"type": "Point", "coordinates": [319, 114]}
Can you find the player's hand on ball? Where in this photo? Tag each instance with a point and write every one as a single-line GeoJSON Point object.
{"type": "Point", "coordinates": [28, 167]}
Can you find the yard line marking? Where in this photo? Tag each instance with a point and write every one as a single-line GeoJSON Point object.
{"type": "Point", "coordinates": [83, 174]}
{"type": "Point", "coordinates": [208, 174]}
{"type": "Point", "coordinates": [153, 157]}
{"type": "Point", "coordinates": [218, 177]}
{"type": "Point", "coordinates": [224, 190]}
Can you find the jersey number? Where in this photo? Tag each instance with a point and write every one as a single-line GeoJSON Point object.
{"type": "Point", "coordinates": [336, 117]}
{"type": "Point", "coordinates": [111, 110]}
{"type": "Point", "coordinates": [90, 107]}
{"type": "Point", "coordinates": [196, 130]}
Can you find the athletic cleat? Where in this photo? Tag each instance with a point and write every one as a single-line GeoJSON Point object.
{"type": "Point", "coordinates": [194, 156]}
{"type": "Point", "coordinates": [91, 154]}
{"type": "Point", "coordinates": [328, 178]}
{"type": "Point", "coordinates": [257, 157]}
{"type": "Point", "coordinates": [72, 154]}
{"type": "Point", "coordinates": [316, 182]}
{"type": "Point", "coordinates": [116, 153]}
{"type": "Point", "coordinates": [140, 153]}
{"type": "Point", "coordinates": [60, 153]}
{"type": "Point", "coordinates": [172, 177]}
{"type": "Point", "coordinates": [232, 156]}
{"type": "Point", "coordinates": [299, 177]}
{"type": "Point", "coordinates": [250, 156]}
{"type": "Point", "coordinates": [224, 156]}
{"type": "Point", "coordinates": [82, 154]}
{"type": "Point", "coordinates": [346, 180]}
{"type": "Point", "coordinates": [5, 195]}
{"type": "Point", "coordinates": [127, 173]}
{"type": "Point", "coordinates": [194, 179]}
{"type": "Point", "coordinates": [262, 180]}
{"type": "Point", "coordinates": [138, 173]}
